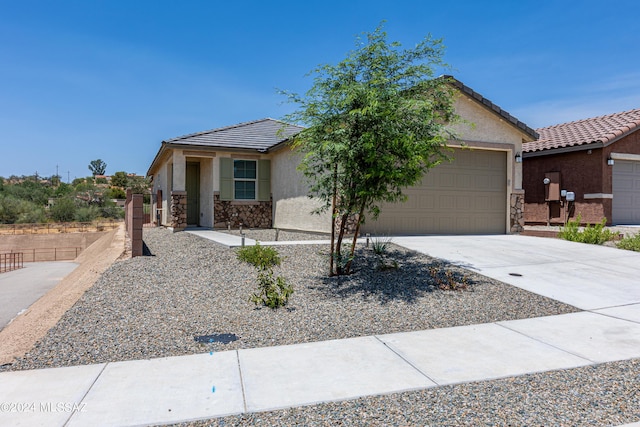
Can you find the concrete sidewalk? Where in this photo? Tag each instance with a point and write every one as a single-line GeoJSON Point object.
{"type": "Point", "coordinates": [211, 385]}
{"type": "Point", "coordinates": [233, 241]}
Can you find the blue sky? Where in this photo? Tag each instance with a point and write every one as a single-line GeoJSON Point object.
{"type": "Point", "coordinates": [82, 80]}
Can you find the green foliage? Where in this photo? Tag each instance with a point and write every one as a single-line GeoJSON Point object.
{"type": "Point", "coordinates": [120, 179]}
{"type": "Point", "coordinates": [17, 211]}
{"type": "Point", "coordinates": [86, 213]}
{"type": "Point", "coordinates": [376, 122]}
{"type": "Point", "coordinates": [115, 193]}
{"type": "Point", "coordinates": [631, 243]}
{"type": "Point", "coordinates": [380, 245]}
{"type": "Point", "coordinates": [260, 257]}
{"type": "Point", "coordinates": [596, 234]}
{"type": "Point", "coordinates": [63, 210]}
{"type": "Point", "coordinates": [272, 292]}
{"type": "Point", "coordinates": [97, 167]}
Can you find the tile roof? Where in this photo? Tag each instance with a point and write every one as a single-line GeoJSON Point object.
{"type": "Point", "coordinates": [603, 130]}
{"type": "Point", "coordinates": [258, 135]}
{"type": "Point", "coordinates": [492, 107]}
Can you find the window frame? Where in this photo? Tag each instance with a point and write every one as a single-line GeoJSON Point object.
{"type": "Point", "coordinates": [253, 180]}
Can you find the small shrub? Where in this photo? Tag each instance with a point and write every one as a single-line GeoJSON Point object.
{"type": "Point", "coordinates": [272, 292]}
{"type": "Point", "coordinates": [260, 257]}
{"type": "Point", "coordinates": [630, 243]}
{"type": "Point", "coordinates": [448, 280]}
{"type": "Point", "coordinates": [380, 245]}
{"type": "Point", "coordinates": [596, 234]}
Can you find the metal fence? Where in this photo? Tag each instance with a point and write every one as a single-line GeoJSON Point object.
{"type": "Point", "coordinates": [11, 261]}
{"type": "Point", "coordinates": [53, 228]}
{"type": "Point", "coordinates": [47, 254]}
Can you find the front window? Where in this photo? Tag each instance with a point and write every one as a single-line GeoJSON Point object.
{"type": "Point", "coordinates": [244, 179]}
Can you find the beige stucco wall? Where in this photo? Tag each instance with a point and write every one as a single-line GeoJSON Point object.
{"type": "Point", "coordinates": [161, 181]}
{"type": "Point", "coordinates": [291, 206]}
{"type": "Point", "coordinates": [482, 126]}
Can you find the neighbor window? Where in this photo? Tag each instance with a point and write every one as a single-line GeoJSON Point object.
{"type": "Point", "coordinates": [244, 179]}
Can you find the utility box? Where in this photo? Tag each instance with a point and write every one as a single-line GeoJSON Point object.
{"type": "Point", "coordinates": [571, 196]}
{"type": "Point", "coordinates": [552, 189]}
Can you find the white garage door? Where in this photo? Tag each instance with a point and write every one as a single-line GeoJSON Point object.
{"type": "Point", "coordinates": [467, 196]}
{"type": "Point", "coordinates": [626, 192]}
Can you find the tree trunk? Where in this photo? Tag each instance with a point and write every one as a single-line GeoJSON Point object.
{"type": "Point", "coordinates": [343, 225]}
{"type": "Point", "coordinates": [355, 238]}
{"type": "Point", "coordinates": [333, 219]}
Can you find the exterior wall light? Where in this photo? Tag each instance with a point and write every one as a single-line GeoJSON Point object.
{"type": "Point", "coordinates": [546, 181]}
{"type": "Point", "coordinates": [610, 161]}
{"type": "Point", "coordinates": [518, 158]}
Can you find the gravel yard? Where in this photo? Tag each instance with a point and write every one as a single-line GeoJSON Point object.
{"type": "Point", "coordinates": [155, 306]}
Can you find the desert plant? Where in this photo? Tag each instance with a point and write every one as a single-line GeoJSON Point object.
{"type": "Point", "coordinates": [260, 257]}
{"type": "Point", "coordinates": [631, 243]}
{"type": "Point", "coordinates": [448, 280]}
{"type": "Point", "coordinates": [380, 245]}
{"type": "Point", "coordinates": [596, 234]}
{"type": "Point", "coordinates": [272, 292]}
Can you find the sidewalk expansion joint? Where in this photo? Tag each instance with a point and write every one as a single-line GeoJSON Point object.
{"type": "Point", "coordinates": [595, 311]}
{"type": "Point", "coordinates": [424, 374]}
{"type": "Point", "coordinates": [591, 362]}
{"type": "Point", "coordinates": [244, 397]}
{"type": "Point", "coordinates": [84, 396]}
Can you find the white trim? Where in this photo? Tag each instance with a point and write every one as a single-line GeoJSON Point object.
{"type": "Point", "coordinates": [598, 196]}
{"type": "Point", "coordinates": [625, 156]}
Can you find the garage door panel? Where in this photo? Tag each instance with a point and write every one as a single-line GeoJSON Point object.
{"type": "Point", "coordinates": [466, 196]}
{"type": "Point", "coordinates": [626, 192]}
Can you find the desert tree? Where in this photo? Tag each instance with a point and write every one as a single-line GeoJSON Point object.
{"type": "Point", "coordinates": [97, 167]}
{"type": "Point", "coordinates": [375, 124]}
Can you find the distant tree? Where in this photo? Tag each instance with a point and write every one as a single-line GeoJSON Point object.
{"type": "Point", "coordinates": [115, 193]}
{"type": "Point", "coordinates": [376, 123]}
{"type": "Point", "coordinates": [63, 210]}
{"type": "Point", "coordinates": [97, 167]}
{"type": "Point", "coordinates": [120, 179]}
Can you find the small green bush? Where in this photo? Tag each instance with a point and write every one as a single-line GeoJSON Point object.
{"type": "Point", "coordinates": [380, 245]}
{"type": "Point", "coordinates": [596, 234]}
{"type": "Point", "coordinates": [630, 243]}
{"type": "Point", "coordinates": [272, 292]}
{"type": "Point", "coordinates": [259, 256]}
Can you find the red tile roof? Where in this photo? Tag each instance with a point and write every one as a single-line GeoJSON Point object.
{"type": "Point", "coordinates": [604, 130]}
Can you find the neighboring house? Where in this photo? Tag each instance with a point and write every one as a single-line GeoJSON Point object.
{"type": "Point", "coordinates": [597, 159]}
{"type": "Point", "coordinates": [247, 174]}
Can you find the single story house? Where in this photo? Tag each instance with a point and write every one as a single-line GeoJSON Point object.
{"type": "Point", "coordinates": [596, 159]}
{"type": "Point", "coordinates": [246, 173]}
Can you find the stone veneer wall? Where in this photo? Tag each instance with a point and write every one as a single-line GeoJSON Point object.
{"type": "Point", "coordinates": [516, 214]}
{"type": "Point", "coordinates": [250, 214]}
{"type": "Point", "coordinates": [178, 210]}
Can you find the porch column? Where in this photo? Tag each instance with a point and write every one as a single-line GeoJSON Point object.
{"type": "Point", "coordinates": [516, 214]}
{"type": "Point", "coordinates": [178, 210]}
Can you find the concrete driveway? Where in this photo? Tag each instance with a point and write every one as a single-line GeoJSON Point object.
{"type": "Point", "coordinates": [589, 277]}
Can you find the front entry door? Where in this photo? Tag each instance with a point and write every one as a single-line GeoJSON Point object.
{"type": "Point", "coordinates": [193, 193]}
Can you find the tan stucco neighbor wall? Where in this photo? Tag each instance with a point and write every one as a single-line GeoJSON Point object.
{"type": "Point", "coordinates": [291, 205]}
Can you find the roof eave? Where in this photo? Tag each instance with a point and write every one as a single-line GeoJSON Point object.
{"type": "Point", "coordinates": [493, 108]}
{"type": "Point", "coordinates": [560, 150]}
